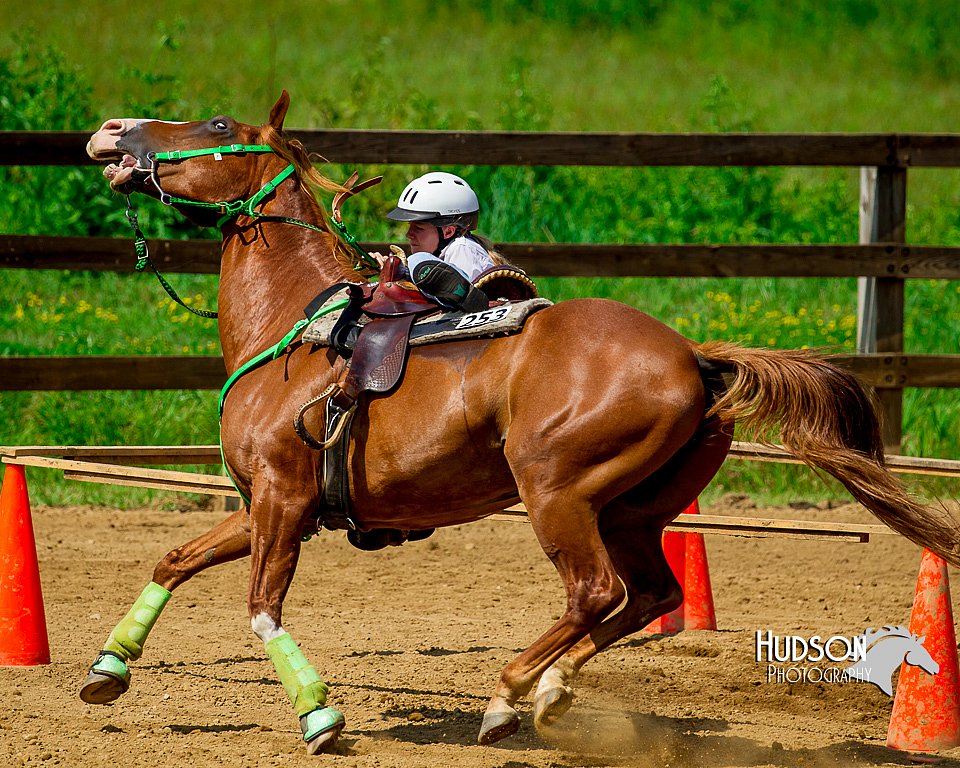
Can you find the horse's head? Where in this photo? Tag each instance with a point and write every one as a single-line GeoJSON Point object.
{"type": "Point", "coordinates": [918, 656]}
{"type": "Point", "coordinates": [131, 146]}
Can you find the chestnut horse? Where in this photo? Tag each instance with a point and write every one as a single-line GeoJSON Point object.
{"type": "Point", "coordinates": [603, 421]}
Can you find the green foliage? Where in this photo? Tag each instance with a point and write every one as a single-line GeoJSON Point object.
{"type": "Point", "coordinates": [41, 91]}
{"type": "Point", "coordinates": [576, 13]}
{"type": "Point", "coordinates": [920, 33]}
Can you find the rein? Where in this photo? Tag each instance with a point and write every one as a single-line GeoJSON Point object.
{"type": "Point", "coordinates": [229, 210]}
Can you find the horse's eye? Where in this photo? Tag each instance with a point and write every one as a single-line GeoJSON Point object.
{"type": "Point", "coordinates": [220, 125]}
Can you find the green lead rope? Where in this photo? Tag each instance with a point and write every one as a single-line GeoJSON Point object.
{"type": "Point", "coordinates": [144, 261]}
{"type": "Point", "coordinates": [268, 355]}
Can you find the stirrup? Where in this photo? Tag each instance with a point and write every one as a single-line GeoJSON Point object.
{"type": "Point", "coordinates": [304, 434]}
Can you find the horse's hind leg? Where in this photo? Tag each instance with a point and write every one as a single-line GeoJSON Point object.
{"type": "Point", "coordinates": [574, 546]}
{"type": "Point", "coordinates": [631, 529]}
{"type": "Point", "coordinates": [109, 676]}
{"type": "Point", "coordinates": [652, 591]}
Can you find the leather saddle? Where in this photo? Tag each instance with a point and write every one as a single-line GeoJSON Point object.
{"type": "Point", "coordinates": [373, 334]}
{"type": "Point", "coordinates": [380, 349]}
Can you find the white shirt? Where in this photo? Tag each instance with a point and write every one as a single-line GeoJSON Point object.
{"type": "Point", "coordinates": [467, 255]}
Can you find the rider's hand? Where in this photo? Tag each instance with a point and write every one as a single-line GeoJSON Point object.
{"type": "Point", "coordinates": [395, 250]}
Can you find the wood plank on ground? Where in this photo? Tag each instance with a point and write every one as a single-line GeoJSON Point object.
{"type": "Point", "coordinates": [192, 482]}
{"type": "Point", "coordinates": [754, 527]}
{"type": "Point", "coordinates": [117, 454]}
{"type": "Point", "coordinates": [210, 454]}
{"type": "Point", "coordinates": [115, 474]}
{"type": "Point", "coordinates": [906, 465]}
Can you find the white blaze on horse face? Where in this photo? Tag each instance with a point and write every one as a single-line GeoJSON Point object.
{"type": "Point", "coordinates": [103, 144]}
{"type": "Point", "coordinates": [265, 627]}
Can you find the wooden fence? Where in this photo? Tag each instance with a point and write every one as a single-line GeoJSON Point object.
{"type": "Point", "coordinates": [120, 465]}
{"type": "Point", "coordinates": [884, 256]}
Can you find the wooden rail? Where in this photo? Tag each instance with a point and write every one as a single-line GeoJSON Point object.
{"type": "Point", "coordinates": [111, 465]}
{"type": "Point", "coordinates": [885, 257]}
{"type": "Point", "coordinates": [210, 454]}
{"type": "Point", "coordinates": [104, 372]}
{"type": "Point", "coordinates": [214, 485]}
{"type": "Point", "coordinates": [885, 260]}
{"type": "Point", "coordinates": [561, 148]}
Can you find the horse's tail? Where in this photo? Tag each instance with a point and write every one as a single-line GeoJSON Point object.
{"type": "Point", "coordinates": [825, 417]}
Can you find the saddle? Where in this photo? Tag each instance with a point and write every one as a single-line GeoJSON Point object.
{"type": "Point", "coordinates": [379, 351]}
{"type": "Point", "coordinates": [373, 333]}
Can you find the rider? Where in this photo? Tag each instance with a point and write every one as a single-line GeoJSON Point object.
{"type": "Point", "coordinates": [442, 211]}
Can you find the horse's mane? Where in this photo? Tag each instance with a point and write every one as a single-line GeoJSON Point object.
{"type": "Point", "coordinates": [313, 183]}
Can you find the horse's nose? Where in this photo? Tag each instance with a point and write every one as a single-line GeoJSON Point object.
{"type": "Point", "coordinates": [115, 126]}
{"type": "Point", "coordinates": [103, 144]}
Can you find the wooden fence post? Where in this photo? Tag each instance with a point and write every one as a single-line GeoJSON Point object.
{"type": "Point", "coordinates": [889, 226]}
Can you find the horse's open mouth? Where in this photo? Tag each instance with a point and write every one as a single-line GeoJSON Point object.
{"type": "Point", "coordinates": [126, 175]}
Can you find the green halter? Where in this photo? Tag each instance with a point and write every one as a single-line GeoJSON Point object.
{"type": "Point", "coordinates": [228, 210]}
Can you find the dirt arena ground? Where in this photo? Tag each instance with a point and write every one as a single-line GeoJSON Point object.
{"type": "Point", "coordinates": [413, 639]}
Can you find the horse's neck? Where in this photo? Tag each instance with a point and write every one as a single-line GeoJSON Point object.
{"type": "Point", "coordinates": [269, 273]}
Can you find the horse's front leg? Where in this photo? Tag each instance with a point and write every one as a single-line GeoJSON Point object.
{"type": "Point", "coordinates": [277, 521]}
{"type": "Point", "coordinates": [109, 675]}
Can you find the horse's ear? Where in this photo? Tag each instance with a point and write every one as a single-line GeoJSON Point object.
{"type": "Point", "coordinates": [279, 111]}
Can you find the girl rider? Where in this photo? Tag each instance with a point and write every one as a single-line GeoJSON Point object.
{"type": "Point", "coordinates": [446, 256]}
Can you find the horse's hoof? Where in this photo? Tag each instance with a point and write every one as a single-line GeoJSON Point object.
{"type": "Point", "coordinates": [550, 705]}
{"type": "Point", "coordinates": [497, 726]}
{"type": "Point", "coordinates": [321, 729]}
{"type": "Point", "coordinates": [108, 679]}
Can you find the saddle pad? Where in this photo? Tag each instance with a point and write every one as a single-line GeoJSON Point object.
{"type": "Point", "coordinates": [501, 320]}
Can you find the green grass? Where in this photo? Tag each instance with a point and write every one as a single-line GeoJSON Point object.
{"type": "Point", "coordinates": [612, 65]}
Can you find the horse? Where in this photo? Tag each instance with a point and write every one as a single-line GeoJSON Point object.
{"type": "Point", "coordinates": [887, 649]}
{"type": "Point", "coordinates": [604, 422]}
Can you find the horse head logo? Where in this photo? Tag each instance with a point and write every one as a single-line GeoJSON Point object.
{"type": "Point", "coordinates": [886, 649]}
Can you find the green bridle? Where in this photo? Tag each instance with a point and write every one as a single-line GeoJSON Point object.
{"type": "Point", "coordinates": [228, 210]}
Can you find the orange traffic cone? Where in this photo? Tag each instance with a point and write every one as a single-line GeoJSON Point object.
{"type": "Point", "coordinates": [23, 625]}
{"type": "Point", "coordinates": [926, 710]}
{"type": "Point", "coordinates": [698, 610]}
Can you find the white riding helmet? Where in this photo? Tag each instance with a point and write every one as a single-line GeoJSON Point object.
{"type": "Point", "coordinates": [438, 198]}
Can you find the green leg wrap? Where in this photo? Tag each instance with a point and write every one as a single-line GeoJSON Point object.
{"type": "Point", "coordinates": [128, 637]}
{"type": "Point", "coordinates": [303, 685]}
